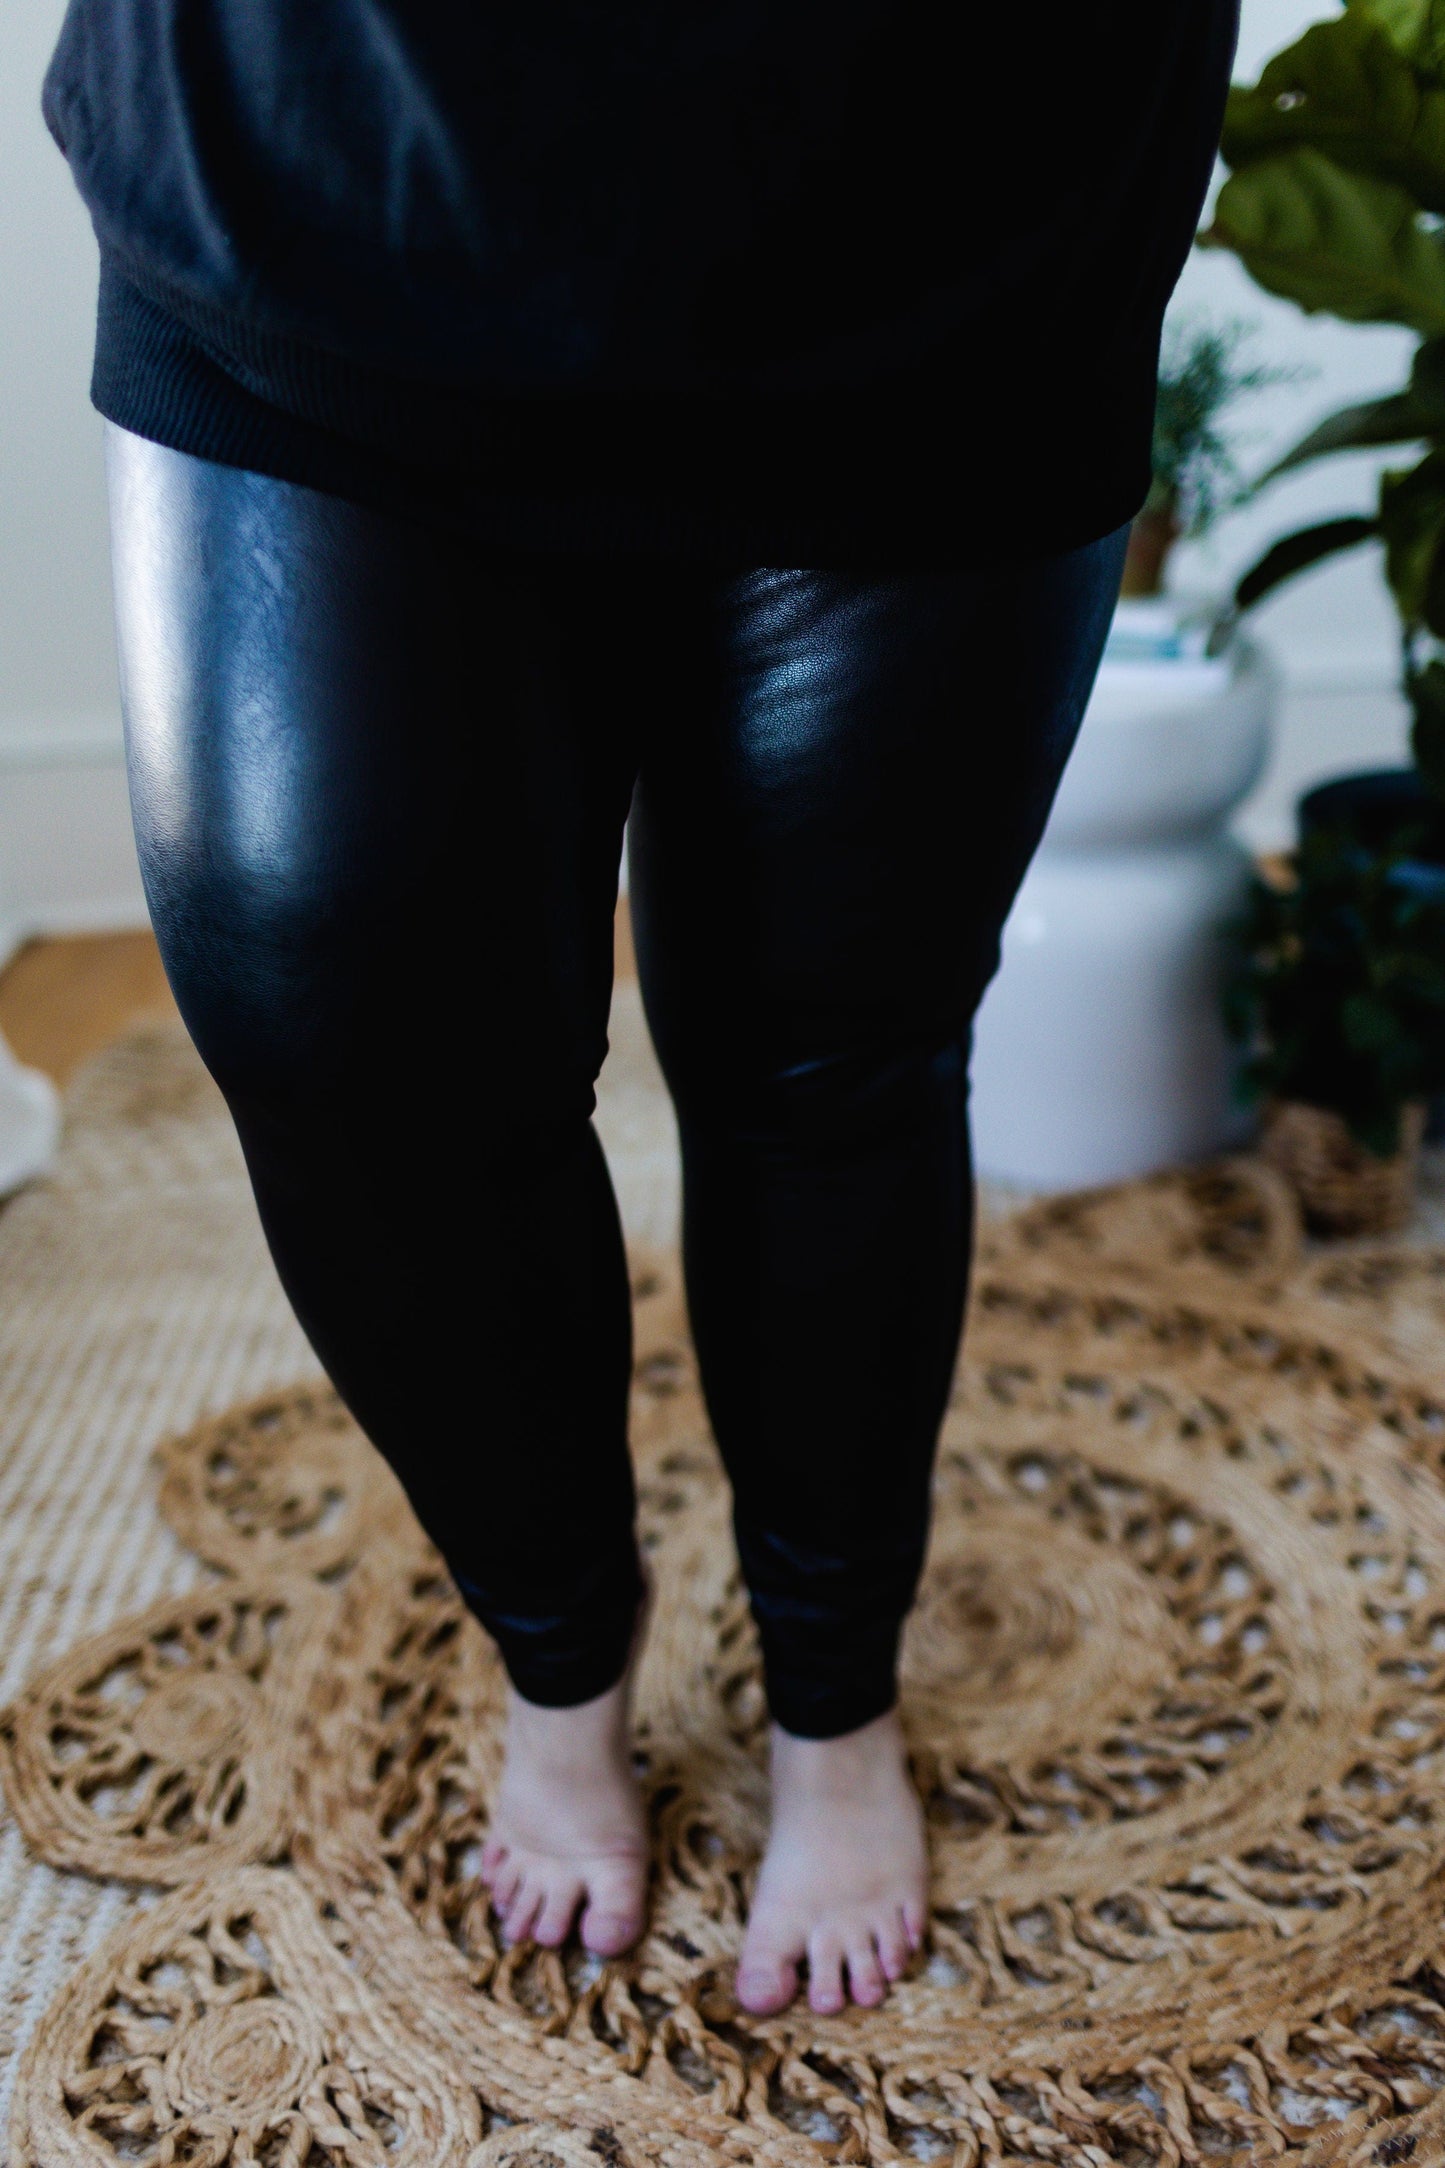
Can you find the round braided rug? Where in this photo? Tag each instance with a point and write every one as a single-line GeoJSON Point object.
{"type": "Point", "coordinates": [1175, 1695]}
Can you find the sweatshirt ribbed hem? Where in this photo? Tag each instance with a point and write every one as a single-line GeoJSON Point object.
{"type": "Point", "coordinates": [895, 482]}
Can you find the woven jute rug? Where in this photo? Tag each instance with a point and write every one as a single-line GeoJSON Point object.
{"type": "Point", "coordinates": [1175, 1693]}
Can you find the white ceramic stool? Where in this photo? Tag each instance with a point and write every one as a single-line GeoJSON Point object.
{"type": "Point", "coordinates": [1099, 1051]}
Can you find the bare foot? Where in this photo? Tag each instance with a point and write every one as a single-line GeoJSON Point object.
{"type": "Point", "coordinates": [844, 1880]}
{"type": "Point", "coordinates": [567, 1831]}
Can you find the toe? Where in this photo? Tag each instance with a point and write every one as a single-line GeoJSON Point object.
{"type": "Point", "coordinates": [915, 1920]}
{"type": "Point", "coordinates": [522, 1915]}
{"type": "Point", "coordinates": [766, 1984]}
{"type": "Point", "coordinates": [767, 1974]}
{"type": "Point", "coordinates": [866, 1983]}
{"type": "Point", "coordinates": [612, 1922]}
{"type": "Point", "coordinates": [825, 1973]}
{"type": "Point", "coordinates": [505, 1884]}
{"type": "Point", "coordinates": [494, 1856]}
{"type": "Point", "coordinates": [891, 1937]}
{"type": "Point", "coordinates": [557, 1911]}
{"type": "Point", "coordinates": [608, 1934]}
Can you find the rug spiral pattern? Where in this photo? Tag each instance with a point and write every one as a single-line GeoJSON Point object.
{"type": "Point", "coordinates": [1174, 1693]}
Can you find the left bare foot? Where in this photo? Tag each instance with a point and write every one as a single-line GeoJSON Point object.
{"type": "Point", "coordinates": [568, 1839]}
{"type": "Point", "coordinates": [844, 1880]}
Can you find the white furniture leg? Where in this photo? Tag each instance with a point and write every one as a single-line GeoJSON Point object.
{"type": "Point", "coordinates": [29, 1122]}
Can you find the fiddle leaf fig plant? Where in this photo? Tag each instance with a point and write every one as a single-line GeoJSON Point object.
{"type": "Point", "coordinates": [1345, 97]}
{"type": "Point", "coordinates": [1336, 201]}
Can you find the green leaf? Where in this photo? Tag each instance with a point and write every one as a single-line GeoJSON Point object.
{"type": "Point", "coordinates": [1400, 418]}
{"type": "Point", "coordinates": [1333, 240]}
{"type": "Point", "coordinates": [1403, 21]}
{"type": "Point", "coordinates": [1344, 89]}
{"type": "Point", "coordinates": [1368, 1025]}
{"type": "Point", "coordinates": [1412, 521]}
{"type": "Point", "coordinates": [1426, 689]}
{"type": "Point", "coordinates": [1416, 28]}
{"type": "Point", "coordinates": [1296, 552]}
{"type": "Point", "coordinates": [1427, 379]}
{"type": "Point", "coordinates": [1395, 420]}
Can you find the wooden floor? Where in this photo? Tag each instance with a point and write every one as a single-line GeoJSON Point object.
{"type": "Point", "coordinates": [63, 998]}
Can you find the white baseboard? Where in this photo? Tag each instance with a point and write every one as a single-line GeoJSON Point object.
{"type": "Point", "coordinates": [67, 740]}
{"type": "Point", "coordinates": [67, 861]}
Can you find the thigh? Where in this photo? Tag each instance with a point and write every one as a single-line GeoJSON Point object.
{"type": "Point", "coordinates": [824, 851]}
{"type": "Point", "coordinates": [378, 792]}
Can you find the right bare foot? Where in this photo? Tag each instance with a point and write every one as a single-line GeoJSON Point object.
{"type": "Point", "coordinates": [567, 1832]}
{"type": "Point", "coordinates": [844, 1880]}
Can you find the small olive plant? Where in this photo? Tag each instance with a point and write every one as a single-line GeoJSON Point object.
{"type": "Point", "coordinates": [1196, 474]}
{"type": "Point", "coordinates": [1336, 200]}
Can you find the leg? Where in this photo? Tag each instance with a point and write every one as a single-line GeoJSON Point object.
{"type": "Point", "coordinates": [820, 873]}
{"type": "Point", "coordinates": [358, 758]}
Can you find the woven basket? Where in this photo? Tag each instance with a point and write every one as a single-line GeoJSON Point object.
{"type": "Point", "coordinates": [1343, 1189]}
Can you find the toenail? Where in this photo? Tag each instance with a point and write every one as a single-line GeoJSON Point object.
{"type": "Point", "coordinates": [607, 1927]}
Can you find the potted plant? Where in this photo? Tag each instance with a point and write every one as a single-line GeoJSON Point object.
{"type": "Point", "coordinates": [1339, 999]}
{"type": "Point", "coordinates": [1195, 471]}
{"type": "Point", "coordinates": [1335, 200]}
{"type": "Point", "coordinates": [1099, 1051]}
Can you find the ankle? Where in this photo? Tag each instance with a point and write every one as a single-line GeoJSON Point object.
{"type": "Point", "coordinates": [840, 1765]}
{"type": "Point", "coordinates": [564, 1741]}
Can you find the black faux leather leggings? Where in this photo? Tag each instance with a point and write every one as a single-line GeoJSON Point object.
{"type": "Point", "coordinates": [379, 784]}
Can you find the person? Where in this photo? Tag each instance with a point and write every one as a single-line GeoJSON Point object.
{"type": "Point", "coordinates": [722, 419]}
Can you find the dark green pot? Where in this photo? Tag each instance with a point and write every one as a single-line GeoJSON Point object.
{"type": "Point", "coordinates": [1382, 809]}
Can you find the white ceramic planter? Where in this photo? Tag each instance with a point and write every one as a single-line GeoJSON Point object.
{"type": "Point", "coordinates": [1099, 1051]}
{"type": "Point", "coordinates": [29, 1102]}
{"type": "Point", "coordinates": [29, 1122]}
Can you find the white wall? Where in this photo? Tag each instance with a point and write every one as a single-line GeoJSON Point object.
{"type": "Point", "coordinates": [65, 856]}
{"type": "Point", "coordinates": [65, 852]}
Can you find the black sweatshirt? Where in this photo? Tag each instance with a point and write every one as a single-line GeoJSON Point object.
{"type": "Point", "coordinates": [770, 280]}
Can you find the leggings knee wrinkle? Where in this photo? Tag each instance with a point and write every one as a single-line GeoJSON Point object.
{"type": "Point", "coordinates": [835, 785]}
